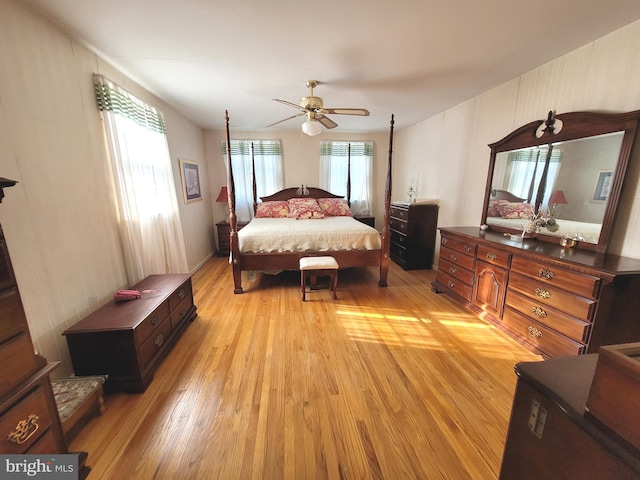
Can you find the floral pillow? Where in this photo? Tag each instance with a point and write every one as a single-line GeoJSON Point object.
{"type": "Point", "coordinates": [515, 210]}
{"type": "Point", "coordinates": [303, 208]}
{"type": "Point", "coordinates": [493, 210]}
{"type": "Point", "coordinates": [278, 209]}
{"type": "Point", "coordinates": [335, 207]}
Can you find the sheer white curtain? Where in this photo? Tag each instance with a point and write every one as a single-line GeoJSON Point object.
{"type": "Point", "coordinates": [524, 172]}
{"type": "Point", "coordinates": [268, 162]}
{"type": "Point", "coordinates": [148, 217]}
{"type": "Point", "coordinates": [333, 172]}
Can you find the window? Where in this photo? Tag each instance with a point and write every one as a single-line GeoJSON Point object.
{"type": "Point", "coordinates": [148, 217]}
{"type": "Point", "coordinates": [268, 164]}
{"type": "Point", "coordinates": [524, 172]}
{"type": "Point", "coordinates": [333, 172]}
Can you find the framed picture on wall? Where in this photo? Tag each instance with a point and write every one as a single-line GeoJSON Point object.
{"type": "Point", "coordinates": [603, 186]}
{"type": "Point", "coordinates": [190, 174]}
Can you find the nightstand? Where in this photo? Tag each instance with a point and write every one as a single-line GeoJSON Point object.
{"type": "Point", "coordinates": [367, 219]}
{"type": "Point", "coordinates": [224, 229]}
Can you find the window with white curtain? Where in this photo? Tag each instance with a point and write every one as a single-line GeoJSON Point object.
{"type": "Point", "coordinates": [148, 216]}
{"type": "Point", "coordinates": [268, 165]}
{"type": "Point", "coordinates": [524, 172]}
{"type": "Point", "coordinates": [333, 172]}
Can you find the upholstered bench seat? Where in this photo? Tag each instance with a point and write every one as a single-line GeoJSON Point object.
{"type": "Point", "coordinates": [78, 400]}
{"type": "Point", "coordinates": [323, 266]}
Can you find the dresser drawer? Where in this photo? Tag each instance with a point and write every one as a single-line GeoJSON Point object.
{"type": "Point", "coordinates": [25, 422]}
{"type": "Point", "coordinates": [459, 245]}
{"type": "Point", "coordinates": [399, 225]}
{"type": "Point", "coordinates": [457, 258]}
{"type": "Point", "coordinates": [176, 298]}
{"type": "Point", "coordinates": [580, 284]}
{"type": "Point", "coordinates": [178, 313]}
{"type": "Point", "coordinates": [565, 324]}
{"type": "Point", "coordinates": [455, 285]}
{"type": "Point", "coordinates": [12, 321]}
{"type": "Point", "coordinates": [18, 361]}
{"type": "Point", "coordinates": [46, 444]}
{"type": "Point", "coordinates": [494, 256]}
{"type": "Point", "coordinates": [395, 212]}
{"type": "Point", "coordinates": [398, 238]}
{"type": "Point", "coordinates": [154, 343]}
{"type": "Point", "coordinates": [398, 251]}
{"type": "Point", "coordinates": [456, 271]}
{"type": "Point", "coordinates": [151, 323]}
{"type": "Point", "coordinates": [579, 307]}
{"type": "Point", "coordinates": [550, 342]}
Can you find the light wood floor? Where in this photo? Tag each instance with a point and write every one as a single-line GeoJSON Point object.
{"type": "Point", "coordinates": [389, 383]}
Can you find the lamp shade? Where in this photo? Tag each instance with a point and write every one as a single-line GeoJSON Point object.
{"type": "Point", "coordinates": [557, 198]}
{"type": "Point", "coordinates": [223, 196]}
{"type": "Point", "coordinates": [311, 127]}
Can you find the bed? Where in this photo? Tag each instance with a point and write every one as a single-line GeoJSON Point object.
{"type": "Point", "coordinates": [275, 244]}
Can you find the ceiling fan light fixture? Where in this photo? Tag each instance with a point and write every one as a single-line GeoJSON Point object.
{"type": "Point", "coordinates": [311, 127]}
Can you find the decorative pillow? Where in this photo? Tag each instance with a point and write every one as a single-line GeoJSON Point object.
{"type": "Point", "coordinates": [515, 210]}
{"type": "Point", "coordinates": [303, 208]}
{"type": "Point", "coordinates": [278, 209]}
{"type": "Point", "coordinates": [335, 207]}
{"type": "Point", "coordinates": [493, 210]}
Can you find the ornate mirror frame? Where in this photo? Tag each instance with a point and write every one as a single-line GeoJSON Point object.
{"type": "Point", "coordinates": [565, 127]}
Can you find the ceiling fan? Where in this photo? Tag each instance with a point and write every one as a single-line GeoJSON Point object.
{"type": "Point", "coordinates": [313, 109]}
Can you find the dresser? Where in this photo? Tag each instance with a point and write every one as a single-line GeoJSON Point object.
{"type": "Point", "coordinates": [413, 230]}
{"type": "Point", "coordinates": [555, 301]}
{"type": "Point", "coordinates": [127, 340]}
{"type": "Point", "coordinates": [224, 242]}
{"type": "Point", "coordinates": [551, 437]}
{"type": "Point", "coordinates": [29, 419]}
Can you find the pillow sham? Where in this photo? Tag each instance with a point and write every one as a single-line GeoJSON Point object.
{"type": "Point", "coordinates": [275, 209]}
{"type": "Point", "coordinates": [304, 208]}
{"type": "Point", "coordinates": [515, 210]}
{"type": "Point", "coordinates": [493, 210]}
{"type": "Point", "coordinates": [335, 207]}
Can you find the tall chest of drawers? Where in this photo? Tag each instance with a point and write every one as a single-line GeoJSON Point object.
{"type": "Point", "coordinates": [556, 301]}
{"type": "Point", "coordinates": [413, 234]}
{"type": "Point", "coordinates": [127, 340]}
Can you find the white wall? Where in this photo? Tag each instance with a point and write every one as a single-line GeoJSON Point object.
{"type": "Point", "coordinates": [450, 152]}
{"type": "Point", "coordinates": [59, 220]}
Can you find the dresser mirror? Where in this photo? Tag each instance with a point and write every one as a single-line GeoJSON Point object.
{"type": "Point", "coordinates": [560, 178]}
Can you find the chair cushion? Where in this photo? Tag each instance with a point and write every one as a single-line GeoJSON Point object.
{"type": "Point", "coordinates": [318, 263]}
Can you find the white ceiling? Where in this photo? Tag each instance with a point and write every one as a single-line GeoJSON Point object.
{"type": "Point", "coordinates": [413, 58]}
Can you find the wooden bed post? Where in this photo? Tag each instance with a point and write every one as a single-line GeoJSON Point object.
{"type": "Point", "coordinates": [254, 186]}
{"type": "Point", "coordinates": [386, 240]}
{"type": "Point", "coordinates": [234, 248]}
{"type": "Point", "coordinates": [349, 175]}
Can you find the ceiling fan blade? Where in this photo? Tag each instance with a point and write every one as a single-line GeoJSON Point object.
{"type": "Point", "coordinates": [326, 121]}
{"type": "Point", "coordinates": [288, 103]}
{"type": "Point", "coordinates": [347, 111]}
{"type": "Point", "coordinates": [285, 119]}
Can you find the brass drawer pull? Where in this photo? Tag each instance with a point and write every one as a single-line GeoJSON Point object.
{"type": "Point", "coordinates": [183, 310]}
{"type": "Point", "coordinates": [467, 248]}
{"type": "Point", "coordinates": [182, 293]}
{"type": "Point", "coordinates": [159, 341]}
{"type": "Point", "coordinates": [538, 312]}
{"type": "Point", "coordinates": [542, 293]}
{"type": "Point", "coordinates": [450, 284]}
{"type": "Point", "coordinates": [452, 270]}
{"type": "Point", "coordinates": [444, 240]}
{"type": "Point", "coordinates": [453, 257]}
{"type": "Point", "coordinates": [534, 332]}
{"type": "Point", "coordinates": [155, 320]}
{"type": "Point", "coordinates": [546, 273]}
{"type": "Point", "coordinates": [24, 430]}
{"type": "Point", "coordinates": [491, 256]}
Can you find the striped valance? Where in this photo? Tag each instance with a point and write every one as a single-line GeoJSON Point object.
{"type": "Point", "coordinates": [113, 98]}
{"type": "Point", "coordinates": [260, 147]}
{"type": "Point", "coordinates": [341, 149]}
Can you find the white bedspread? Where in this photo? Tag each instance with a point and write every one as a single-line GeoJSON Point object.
{"type": "Point", "coordinates": [265, 235]}
{"type": "Point", "coordinates": [590, 232]}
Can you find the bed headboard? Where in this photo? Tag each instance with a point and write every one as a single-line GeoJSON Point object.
{"type": "Point", "coordinates": [504, 195]}
{"type": "Point", "coordinates": [288, 193]}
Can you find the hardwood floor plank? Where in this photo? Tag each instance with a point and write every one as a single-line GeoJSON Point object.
{"type": "Point", "coordinates": [383, 383]}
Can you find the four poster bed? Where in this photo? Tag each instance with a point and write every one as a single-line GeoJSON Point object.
{"type": "Point", "coordinates": [288, 227]}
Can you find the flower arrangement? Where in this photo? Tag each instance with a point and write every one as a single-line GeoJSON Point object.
{"type": "Point", "coordinates": [538, 221]}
